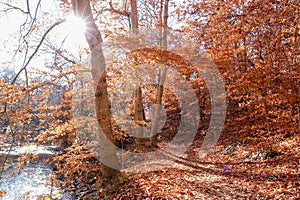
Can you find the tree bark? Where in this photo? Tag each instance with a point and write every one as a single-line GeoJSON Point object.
{"type": "Point", "coordinates": [139, 115]}
{"type": "Point", "coordinates": [82, 9]}
{"type": "Point", "coordinates": [134, 17]}
{"type": "Point", "coordinates": [162, 73]}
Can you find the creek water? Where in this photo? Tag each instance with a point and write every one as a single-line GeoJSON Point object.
{"type": "Point", "coordinates": [32, 182]}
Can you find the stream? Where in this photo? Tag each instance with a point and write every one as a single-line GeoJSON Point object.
{"type": "Point", "coordinates": [32, 182]}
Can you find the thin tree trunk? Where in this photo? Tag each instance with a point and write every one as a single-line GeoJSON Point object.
{"type": "Point", "coordinates": [139, 115]}
{"type": "Point", "coordinates": [162, 74]}
{"type": "Point", "coordinates": [165, 25]}
{"type": "Point", "coordinates": [82, 9]}
{"type": "Point", "coordinates": [134, 17]}
{"type": "Point", "coordinates": [159, 93]}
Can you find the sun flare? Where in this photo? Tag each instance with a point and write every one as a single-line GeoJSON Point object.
{"type": "Point", "coordinates": [73, 31]}
{"type": "Point", "coordinates": [75, 25]}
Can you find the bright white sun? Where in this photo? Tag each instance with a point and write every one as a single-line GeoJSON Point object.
{"type": "Point", "coordinates": [73, 30]}
{"type": "Point", "coordinates": [75, 25]}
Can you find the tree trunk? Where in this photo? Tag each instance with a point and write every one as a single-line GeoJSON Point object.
{"type": "Point", "coordinates": [134, 17]}
{"type": "Point", "coordinates": [82, 9]}
{"type": "Point", "coordinates": [139, 115]}
{"type": "Point", "coordinates": [162, 73]}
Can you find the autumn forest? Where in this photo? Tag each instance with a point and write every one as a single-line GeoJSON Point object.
{"type": "Point", "coordinates": [157, 99]}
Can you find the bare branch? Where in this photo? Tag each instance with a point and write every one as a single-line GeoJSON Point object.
{"type": "Point", "coordinates": [29, 20]}
{"type": "Point", "coordinates": [36, 49]}
{"type": "Point", "coordinates": [11, 7]}
{"type": "Point", "coordinates": [28, 8]}
{"type": "Point", "coordinates": [33, 18]}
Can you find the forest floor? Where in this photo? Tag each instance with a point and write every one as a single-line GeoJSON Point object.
{"type": "Point", "coordinates": [231, 171]}
{"type": "Point", "coordinates": [234, 169]}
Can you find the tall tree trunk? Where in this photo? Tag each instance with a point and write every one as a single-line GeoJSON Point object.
{"type": "Point", "coordinates": [162, 71]}
{"type": "Point", "coordinates": [139, 115]}
{"type": "Point", "coordinates": [82, 9]}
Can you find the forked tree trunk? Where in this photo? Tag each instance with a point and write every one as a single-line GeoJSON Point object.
{"type": "Point", "coordinates": [82, 9]}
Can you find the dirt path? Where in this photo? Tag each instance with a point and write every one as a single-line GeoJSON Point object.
{"type": "Point", "coordinates": [228, 172]}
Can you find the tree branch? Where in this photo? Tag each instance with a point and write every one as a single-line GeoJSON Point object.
{"type": "Point", "coordinates": [36, 50]}
{"type": "Point", "coordinates": [11, 7]}
{"type": "Point", "coordinates": [28, 8]}
{"type": "Point", "coordinates": [112, 9]}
